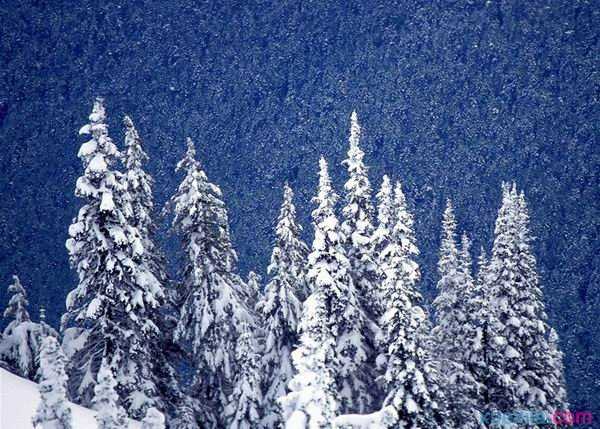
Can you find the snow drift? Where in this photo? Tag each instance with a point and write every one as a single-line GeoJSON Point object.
{"type": "Point", "coordinates": [20, 397]}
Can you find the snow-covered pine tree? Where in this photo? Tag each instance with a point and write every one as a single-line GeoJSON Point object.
{"type": "Point", "coordinates": [411, 375]}
{"type": "Point", "coordinates": [542, 384]}
{"type": "Point", "coordinates": [154, 419]}
{"type": "Point", "coordinates": [109, 414]}
{"type": "Point", "coordinates": [213, 303]}
{"type": "Point", "coordinates": [139, 186]}
{"type": "Point", "coordinates": [17, 350]}
{"type": "Point", "coordinates": [312, 401]}
{"type": "Point", "coordinates": [109, 313]}
{"type": "Point", "coordinates": [53, 411]}
{"type": "Point", "coordinates": [527, 376]}
{"type": "Point", "coordinates": [244, 408]}
{"type": "Point", "coordinates": [357, 229]}
{"type": "Point", "coordinates": [357, 226]}
{"type": "Point", "coordinates": [281, 308]}
{"type": "Point", "coordinates": [455, 328]}
{"type": "Point", "coordinates": [22, 338]}
{"type": "Point", "coordinates": [383, 232]}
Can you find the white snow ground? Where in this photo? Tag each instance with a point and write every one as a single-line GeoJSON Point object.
{"type": "Point", "coordinates": [19, 399]}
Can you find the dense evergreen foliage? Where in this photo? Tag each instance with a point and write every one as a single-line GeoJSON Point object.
{"type": "Point", "coordinates": [111, 314]}
{"type": "Point", "coordinates": [214, 302]}
{"type": "Point", "coordinates": [281, 307]}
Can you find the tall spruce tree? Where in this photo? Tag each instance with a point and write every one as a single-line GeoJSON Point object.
{"type": "Point", "coordinates": [455, 327]}
{"type": "Point", "coordinates": [244, 409]}
{"type": "Point", "coordinates": [281, 307]}
{"type": "Point", "coordinates": [312, 401]}
{"type": "Point", "coordinates": [528, 376]}
{"type": "Point", "coordinates": [139, 186]}
{"type": "Point", "coordinates": [53, 411]}
{"type": "Point", "coordinates": [411, 374]}
{"type": "Point", "coordinates": [213, 303]}
{"type": "Point", "coordinates": [357, 229]}
{"type": "Point", "coordinates": [383, 232]}
{"type": "Point", "coordinates": [109, 312]}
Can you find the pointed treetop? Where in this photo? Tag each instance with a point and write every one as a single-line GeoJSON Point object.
{"type": "Point", "coordinates": [448, 261]}
{"type": "Point", "coordinates": [135, 154]}
{"type": "Point", "coordinates": [354, 130]}
{"type": "Point", "coordinates": [354, 162]}
{"type": "Point", "coordinates": [191, 149]}
{"type": "Point", "coordinates": [128, 122]}
{"type": "Point", "coordinates": [386, 183]}
{"type": "Point", "coordinates": [324, 180]}
{"type": "Point", "coordinates": [325, 195]}
{"type": "Point", "coordinates": [98, 114]}
{"type": "Point", "coordinates": [17, 306]}
{"type": "Point", "coordinates": [449, 221]}
{"type": "Point", "coordinates": [189, 160]}
{"type": "Point", "coordinates": [399, 197]}
{"type": "Point", "coordinates": [288, 193]}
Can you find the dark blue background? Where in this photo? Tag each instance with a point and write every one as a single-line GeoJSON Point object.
{"type": "Point", "coordinates": [453, 96]}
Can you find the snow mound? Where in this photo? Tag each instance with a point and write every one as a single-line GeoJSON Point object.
{"type": "Point", "coordinates": [19, 398]}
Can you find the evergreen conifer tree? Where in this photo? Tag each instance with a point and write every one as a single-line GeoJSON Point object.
{"type": "Point", "coordinates": [456, 330]}
{"type": "Point", "coordinates": [53, 411]}
{"type": "Point", "coordinates": [213, 302]}
{"type": "Point", "coordinates": [527, 377]}
{"type": "Point", "coordinates": [17, 305]}
{"type": "Point", "coordinates": [383, 232]}
{"type": "Point", "coordinates": [281, 308]}
{"type": "Point", "coordinates": [109, 313]}
{"type": "Point", "coordinates": [358, 231]}
{"type": "Point", "coordinates": [411, 375]}
{"type": "Point", "coordinates": [139, 186]}
{"type": "Point", "coordinates": [312, 401]}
